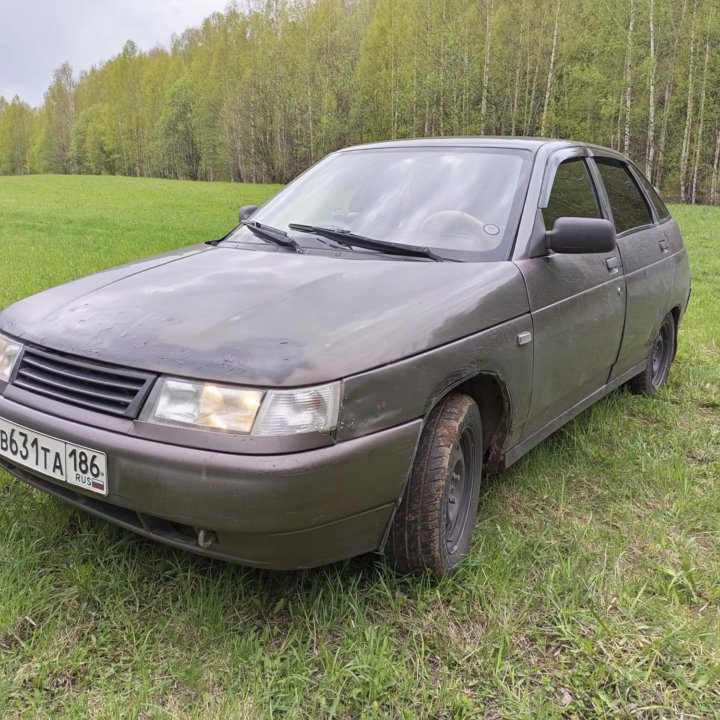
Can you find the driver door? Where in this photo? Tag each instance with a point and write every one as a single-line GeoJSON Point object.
{"type": "Point", "coordinates": [577, 303]}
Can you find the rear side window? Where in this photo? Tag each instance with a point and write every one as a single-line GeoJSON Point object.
{"type": "Point", "coordinates": [662, 212]}
{"type": "Point", "coordinates": [627, 203]}
{"type": "Point", "coordinates": [573, 194]}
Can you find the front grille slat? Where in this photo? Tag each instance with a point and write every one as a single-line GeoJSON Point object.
{"type": "Point", "coordinates": [65, 397]}
{"type": "Point", "coordinates": [85, 383]}
{"type": "Point", "coordinates": [72, 375]}
{"type": "Point", "coordinates": [42, 379]}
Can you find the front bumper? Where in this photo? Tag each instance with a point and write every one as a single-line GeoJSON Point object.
{"type": "Point", "coordinates": [277, 511]}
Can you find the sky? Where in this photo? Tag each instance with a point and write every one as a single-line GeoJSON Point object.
{"type": "Point", "coordinates": [37, 36]}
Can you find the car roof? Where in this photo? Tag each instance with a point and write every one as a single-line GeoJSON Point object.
{"type": "Point", "coordinates": [515, 143]}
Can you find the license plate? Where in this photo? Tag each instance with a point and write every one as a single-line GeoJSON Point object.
{"type": "Point", "coordinates": [73, 464]}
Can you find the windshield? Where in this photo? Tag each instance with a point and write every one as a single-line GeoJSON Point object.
{"type": "Point", "coordinates": [462, 202]}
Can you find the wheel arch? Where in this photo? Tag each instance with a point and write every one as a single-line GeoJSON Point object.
{"type": "Point", "coordinates": [491, 395]}
{"type": "Point", "coordinates": [676, 313]}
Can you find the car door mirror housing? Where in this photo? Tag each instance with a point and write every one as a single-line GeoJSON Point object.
{"type": "Point", "coordinates": [575, 235]}
{"type": "Point", "coordinates": [246, 211]}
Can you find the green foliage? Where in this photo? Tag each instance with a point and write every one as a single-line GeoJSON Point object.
{"type": "Point", "coordinates": [591, 590]}
{"type": "Point", "coordinates": [57, 122]}
{"type": "Point", "coordinates": [178, 130]}
{"type": "Point", "coordinates": [262, 90]}
{"type": "Point", "coordinates": [17, 122]}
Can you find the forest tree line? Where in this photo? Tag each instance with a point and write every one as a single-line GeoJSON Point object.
{"type": "Point", "coordinates": [262, 90]}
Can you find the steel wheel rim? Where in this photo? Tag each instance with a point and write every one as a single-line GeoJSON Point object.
{"type": "Point", "coordinates": [660, 357]}
{"type": "Point", "coordinates": [460, 482]}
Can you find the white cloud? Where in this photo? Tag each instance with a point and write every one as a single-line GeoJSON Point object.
{"type": "Point", "coordinates": [36, 36]}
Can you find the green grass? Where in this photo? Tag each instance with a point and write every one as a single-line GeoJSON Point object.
{"type": "Point", "coordinates": [592, 589]}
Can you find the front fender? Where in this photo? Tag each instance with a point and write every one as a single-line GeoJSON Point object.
{"type": "Point", "coordinates": [409, 389]}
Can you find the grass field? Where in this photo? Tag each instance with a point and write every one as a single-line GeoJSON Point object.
{"type": "Point", "coordinates": [592, 589]}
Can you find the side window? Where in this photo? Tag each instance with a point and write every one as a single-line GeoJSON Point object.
{"type": "Point", "coordinates": [628, 205]}
{"type": "Point", "coordinates": [572, 195]}
{"type": "Point", "coordinates": [651, 194]}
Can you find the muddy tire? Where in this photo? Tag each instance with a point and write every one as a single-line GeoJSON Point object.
{"type": "Point", "coordinates": [660, 357]}
{"type": "Point", "coordinates": [433, 526]}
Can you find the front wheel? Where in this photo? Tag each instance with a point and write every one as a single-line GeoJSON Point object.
{"type": "Point", "coordinates": [660, 357]}
{"type": "Point", "coordinates": [433, 526]}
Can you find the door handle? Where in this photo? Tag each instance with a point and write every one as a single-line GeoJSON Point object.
{"type": "Point", "coordinates": [612, 264]}
{"type": "Point", "coordinates": [664, 246]}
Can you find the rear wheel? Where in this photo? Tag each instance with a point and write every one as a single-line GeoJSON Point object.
{"type": "Point", "coordinates": [659, 360]}
{"type": "Point", "coordinates": [433, 526]}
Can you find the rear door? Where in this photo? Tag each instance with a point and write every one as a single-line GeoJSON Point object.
{"type": "Point", "coordinates": [646, 259]}
{"type": "Point", "coordinates": [577, 304]}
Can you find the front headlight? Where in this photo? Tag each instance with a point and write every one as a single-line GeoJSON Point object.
{"type": "Point", "coordinates": [196, 404]}
{"type": "Point", "coordinates": [207, 406]}
{"type": "Point", "coordinates": [9, 353]}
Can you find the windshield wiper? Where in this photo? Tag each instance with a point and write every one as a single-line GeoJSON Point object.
{"type": "Point", "coordinates": [345, 237]}
{"type": "Point", "coordinates": [271, 234]}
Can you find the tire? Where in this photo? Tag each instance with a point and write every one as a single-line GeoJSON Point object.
{"type": "Point", "coordinates": [659, 360]}
{"type": "Point", "coordinates": [433, 525]}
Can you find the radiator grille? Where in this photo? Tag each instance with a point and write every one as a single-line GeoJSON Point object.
{"type": "Point", "coordinates": [85, 383]}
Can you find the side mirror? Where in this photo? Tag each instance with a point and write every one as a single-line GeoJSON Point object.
{"type": "Point", "coordinates": [574, 235]}
{"type": "Point", "coordinates": [246, 211]}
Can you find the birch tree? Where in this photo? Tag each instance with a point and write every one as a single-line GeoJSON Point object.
{"type": "Point", "coordinates": [701, 126]}
{"type": "Point", "coordinates": [650, 145]}
{"type": "Point", "coordinates": [685, 153]}
{"type": "Point", "coordinates": [627, 90]}
{"type": "Point", "coordinates": [551, 71]}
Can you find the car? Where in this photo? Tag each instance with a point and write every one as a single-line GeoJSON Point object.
{"type": "Point", "coordinates": [338, 374]}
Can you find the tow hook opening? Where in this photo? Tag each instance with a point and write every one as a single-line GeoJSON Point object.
{"type": "Point", "coordinates": [206, 538]}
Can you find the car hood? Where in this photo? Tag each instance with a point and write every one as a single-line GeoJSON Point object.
{"type": "Point", "coordinates": [267, 318]}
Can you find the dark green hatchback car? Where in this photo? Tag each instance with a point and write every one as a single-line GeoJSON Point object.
{"type": "Point", "coordinates": [338, 373]}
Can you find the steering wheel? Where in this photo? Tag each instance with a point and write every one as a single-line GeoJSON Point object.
{"type": "Point", "coordinates": [459, 221]}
